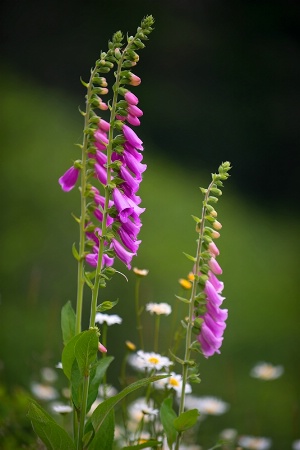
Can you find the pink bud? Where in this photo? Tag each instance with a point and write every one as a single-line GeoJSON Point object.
{"type": "Point", "coordinates": [213, 249]}
{"type": "Point", "coordinates": [134, 80]}
{"type": "Point", "coordinates": [131, 98]}
{"type": "Point", "coordinates": [103, 125]}
{"type": "Point", "coordinates": [101, 348]}
{"type": "Point", "coordinates": [214, 266]}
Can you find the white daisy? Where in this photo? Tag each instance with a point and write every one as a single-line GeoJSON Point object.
{"type": "Point", "coordinates": [61, 408]}
{"type": "Point", "coordinates": [159, 308]}
{"type": "Point", "coordinates": [296, 445]}
{"type": "Point", "coordinates": [44, 391]}
{"type": "Point", "coordinates": [48, 374]}
{"type": "Point", "coordinates": [266, 371]}
{"type": "Point", "coordinates": [206, 405]}
{"type": "Point", "coordinates": [228, 434]}
{"type": "Point", "coordinates": [140, 272]}
{"type": "Point", "coordinates": [110, 319]}
{"type": "Point", "coordinates": [174, 381]}
{"type": "Point", "coordinates": [149, 360]}
{"type": "Point", "coordinates": [139, 410]}
{"type": "Point", "coordinates": [254, 443]}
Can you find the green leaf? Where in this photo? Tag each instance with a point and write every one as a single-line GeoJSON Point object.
{"type": "Point", "coordinates": [196, 219]}
{"type": "Point", "coordinates": [182, 299]}
{"type": "Point", "coordinates": [68, 322]}
{"type": "Point", "coordinates": [104, 408]}
{"type": "Point", "coordinates": [191, 258]}
{"type": "Point", "coordinates": [147, 444]}
{"type": "Point", "coordinates": [85, 350]}
{"type": "Point", "coordinates": [103, 439]}
{"type": "Point", "coordinates": [186, 420]}
{"type": "Point", "coordinates": [76, 385]}
{"type": "Point", "coordinates": [68, 355]}
{"type": "Point", "coordinates": [97, 373]}
{"type": "Point", "coordinates": [75, 252]}
{"type": "Point", "coordinates": [106, 305]}
{"type": "Point", "coordinates": [53, 436]}
{"type": "Point", "coordinates": [167, 417]}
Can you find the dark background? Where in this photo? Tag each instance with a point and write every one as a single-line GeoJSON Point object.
{"type": "Point", "coordinates": [220, 81]}
{"type": "Point", "coordinates": [225, 72]}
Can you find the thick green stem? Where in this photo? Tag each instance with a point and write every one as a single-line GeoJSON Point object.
{"type": "Point", "coordinates": [95, 289]}
{"type": "Point", "coordinates": [83, 411]}
{"type": "Point", "coordinates": [82, 223]}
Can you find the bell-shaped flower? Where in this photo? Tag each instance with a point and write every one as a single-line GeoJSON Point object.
{"type": "Point", "coordinates": [69, 179]}
{"type": "Point", "coordinates": [131, 228]}
{"type": "Point", "coordinates": [132, 245]}
{"type": "Point", "coordinates": [122, 205]}
{"type": "Point", "coordinates": [134, 165]}
{"type": "Point", "coordinates": [214, 266]}
{"type": "Point", "coordinates": [129, 148]}
{"type": "Point", "coordinates": [132, 137]}
{"type": "Point", "coordinates": [132, 183]}
{"type": "Point", "coordinates": [122, 254]}
{"type": "Point", "coordinates": [212, 295]}
{"type": "Point", "coordinates": [133, 120]}
{"type": "Point", "coordinates": [134, 110]}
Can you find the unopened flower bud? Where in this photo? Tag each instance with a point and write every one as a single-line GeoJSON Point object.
{"type": "Point", "coordinates": [130, 345]}
{"type": "Point", "coordinates": [134, 80]}
{"type": "Point", "coordinates": [186, 284]}
{"type": "Point", "coordinates": [101, 348]}
{"type": "Point", "coordinates": [217, 225]}
{"type": "Point", "coordinates": [215, 234]}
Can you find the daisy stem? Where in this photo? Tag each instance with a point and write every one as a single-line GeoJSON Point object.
{"type": "Point", "coordinates": [156, 332]}
{"type": "Point", "coordinates": [138, 312]}
{"type": "Point", "coordinates": [83, 411]}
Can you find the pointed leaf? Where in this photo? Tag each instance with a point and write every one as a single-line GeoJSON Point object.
{"type": "Point", "coordinates": [75, 252]}
{"type": "Point", "coordinates": [68, 322]}
{"type": "Point", "coordinates": [186, 420]}
{"type": "Point", "coordinates": [104, 408]}
{"type": "Point", "coordinates": [167, 417]}
{"type": "Point", "coordinates": [86, 348]}
{"type": "Point", "coordinates": [182, 299]}
{"type": "Point", "coordinates": [103, 439]}
{"type": "Point", "coordinates": [53, 436]}
{"type": "Point", "coordinates": [106, 305]}
{"type": "Point", "coordinates": [97, 373]}
{"type": "Point", "coordinates": [68, 355]}
{"type": "Point", "coordinates": [191, 258]}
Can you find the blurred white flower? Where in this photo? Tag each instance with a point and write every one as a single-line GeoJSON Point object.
{"type": "Point", "coordinates": [59, 365]}
{"type": "Point", "coordinates": [159, 308]}
{"type": "Point", "coordinates": [139, 410]}
{"type": "Point", "coordinates": [44, 391]}
{"type": "Point", "coordinates": [149, 360]}
{"type": "Point", "coordinates": [110, 319]}
{"type": "Point", "coordinates": [296, 445]}
{"type": "Point", "coordinates": [228, 434]}
{"type": "Point", "coordinates": [61, 408]}
{"type": "Point", "coordinates": [48, 374]}
{"type": "Point", "coordinates": [106, 390]}
{"type": "Point", "coordinates": [266, 371]}
{"type": "Point", "coordinates": [254, 443]}
{"type": "Point", "coordinates": [206, 405]}
{"type": "Point", "coordinates": [173, 381]}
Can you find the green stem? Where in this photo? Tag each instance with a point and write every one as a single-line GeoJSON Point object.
{"type": "Point", "coordinates": [188, 339]}
{"type": "Point", "coordinates": [139, 325]}
{"type": "Point", "coordinates": [156, 332]}
{"type": "Point", "coordinates": [83, 411]}
{"type": "Point", "coordinates": [95, 289]}
{"type": "Point", "coordinates": [82, 223]}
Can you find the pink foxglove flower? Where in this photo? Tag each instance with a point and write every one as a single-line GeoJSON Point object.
{"type": "Point", "coordinates": [213, 326]}
{"type": "Point", "coordinates": [69, 179]}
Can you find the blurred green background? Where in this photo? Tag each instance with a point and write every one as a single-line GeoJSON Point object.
{"type": "Point", "coordinates": [220, 82]}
